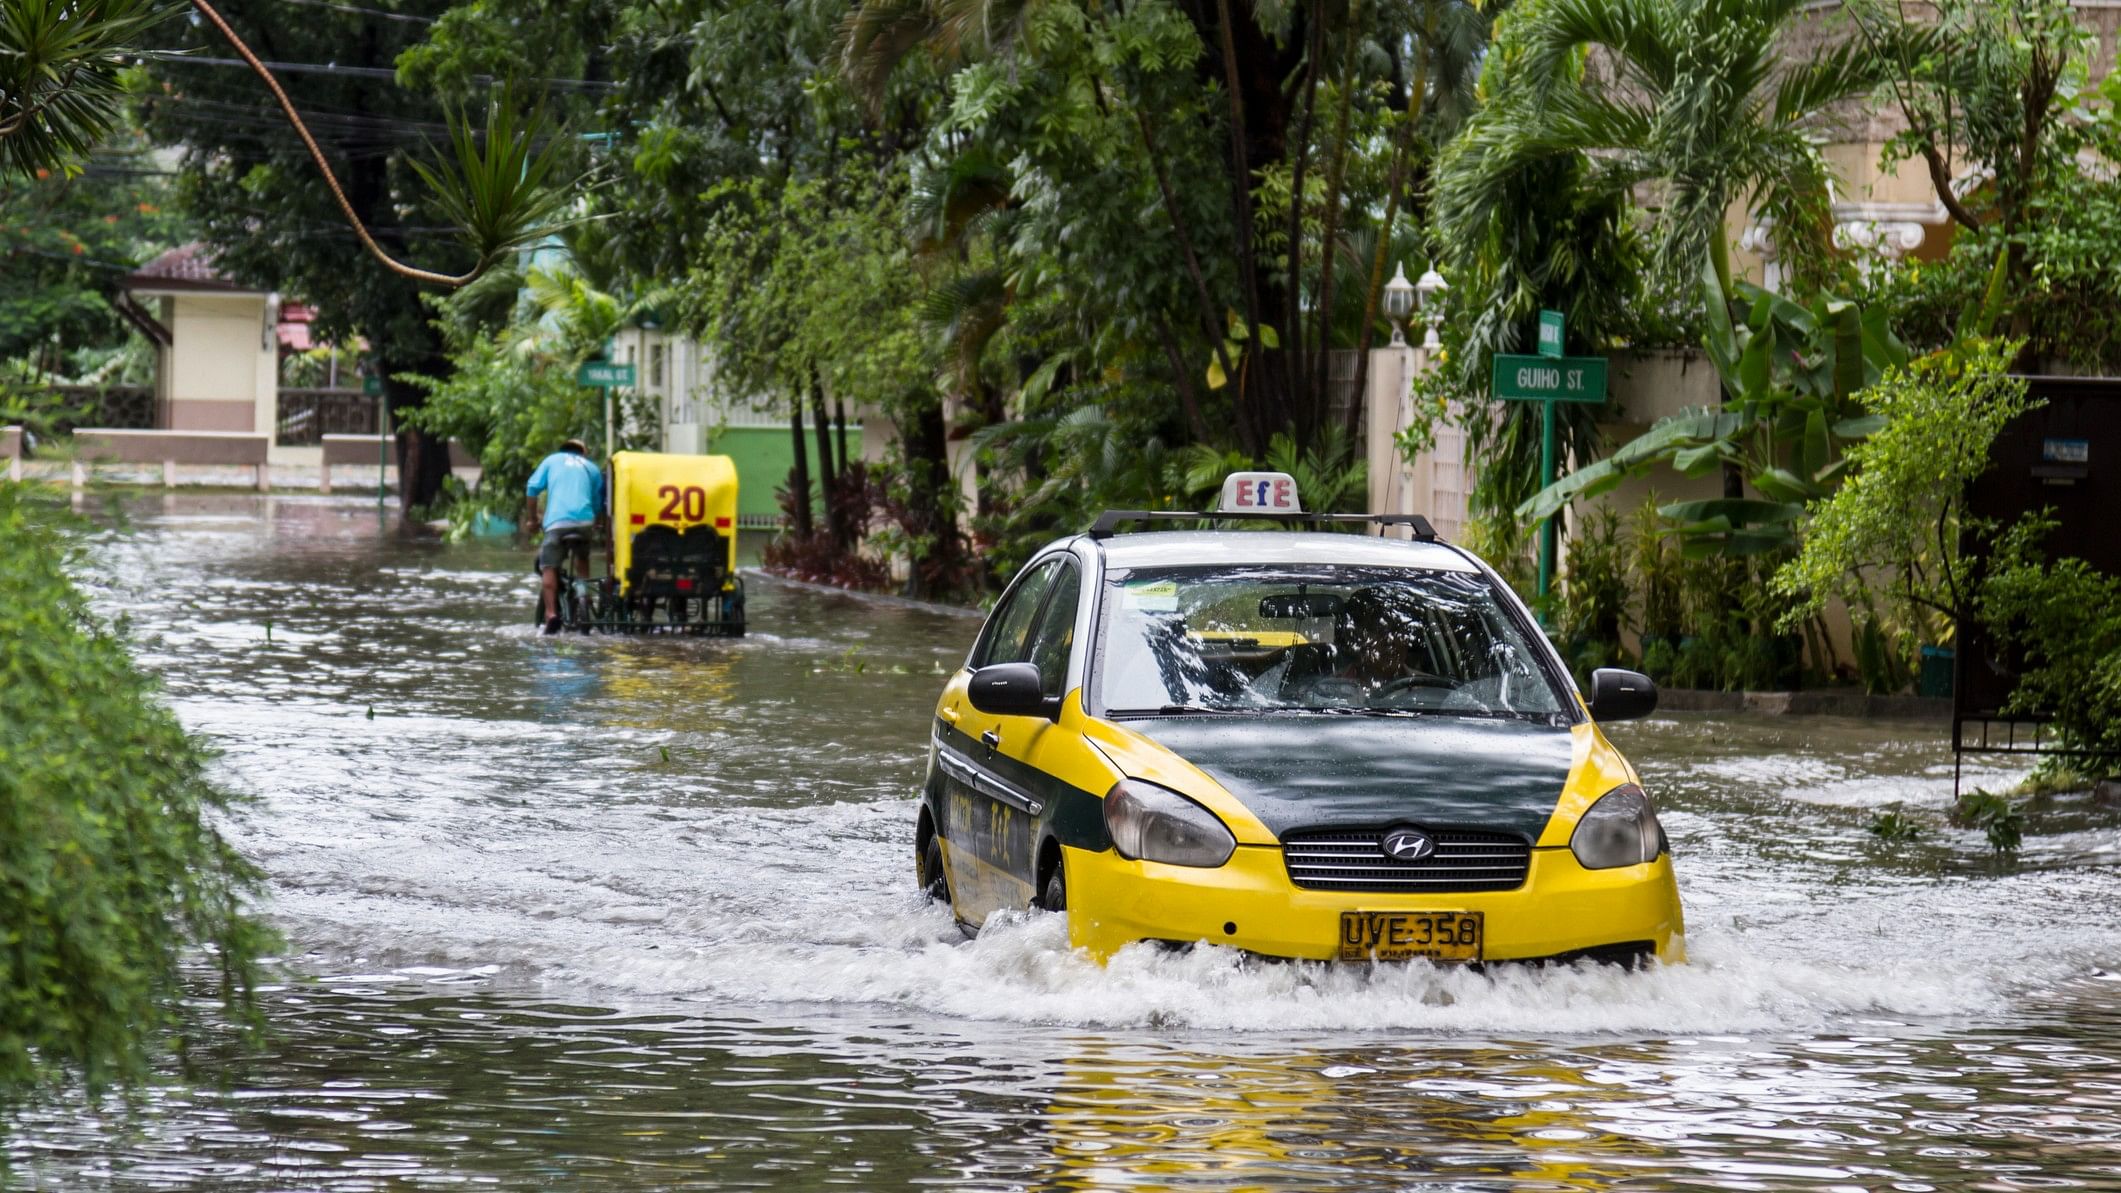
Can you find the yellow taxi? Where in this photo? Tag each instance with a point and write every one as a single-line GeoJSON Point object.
{"type": "Point", "coordinates": [1300, 744]}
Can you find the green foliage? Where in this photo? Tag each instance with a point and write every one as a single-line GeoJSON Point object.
{"type": "Point", "coordinates": [1331, 477]}
{"type": "Point", "coordinates": [503, 186]}
{"type": "Point", "coordinates": [113, 871]}
{"type": "Point", "coordinates": [1791, 375]}
{"type": "Point", "coordinates": [2000, 820]}
{"type": "Point", "coordinates": [67, 239]}
{"type": "Point", "coordinates": [273, 222]}
{"type": "Point", "coordinates": [61, 77]}
{"type": "Point", "coordinates": [2065, 619]}
{"type": "Point", "coordinates": [1692, 99]}
{"type": "Point", "coordinates": [1880, 665]}
{"type": "Point", "coordinates": [2000, 89]}
{"type": "Point", "coordinates": [1901, 513]}
{"type": "Point", "coordinates": [1691, 103]}
{"type": "Point", "coordinates": [1657, 571]}
{"type": "Point", "coordinates": [1895, 827]}
{"type": "Point", "coordinates": [811, 281]}
{"type": "Point", "coordinates": [511, 397]}
{"type": "Point", "coordinates": [1594, 595]}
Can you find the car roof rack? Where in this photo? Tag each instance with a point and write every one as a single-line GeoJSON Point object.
{"type": "Point", "coordinates": [1109, 522]}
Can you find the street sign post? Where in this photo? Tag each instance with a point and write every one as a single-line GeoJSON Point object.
{"type": "Point", "coordinates": [1547, 380]}
{"type": "Point", "coordinates": [603, 374]}
{"type": "Point", "coordinates": [1550, 334]}
{"type": "Point", "coordinates": [372, 386]}
{"type": "Point", "coordinates": [1538, 378]}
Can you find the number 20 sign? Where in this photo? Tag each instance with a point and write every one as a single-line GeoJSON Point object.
{"type": "Point", "coordinates": [688, 504]}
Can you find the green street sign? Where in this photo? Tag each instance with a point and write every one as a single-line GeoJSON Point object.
{"type": "Point", "coordinates": [603, 374]}
{"type": "Point", "coordinates": [1541, 379]}
{"type": "Point", "coordinates": [372, 385]}
{"type": "Point", "coordinates": [1550, 334]}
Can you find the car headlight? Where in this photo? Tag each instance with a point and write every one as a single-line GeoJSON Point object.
{"type": "Point", "coordinates": [1621, 829]}
{"type": "Point", "coordinates": [1149, 823]}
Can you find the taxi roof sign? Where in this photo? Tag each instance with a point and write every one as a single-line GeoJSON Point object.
{"type": "Point", "coordinates": [1259, 493]}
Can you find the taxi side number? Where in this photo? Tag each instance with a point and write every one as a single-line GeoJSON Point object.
{"type": "Point", "coordinates": [688, 504]}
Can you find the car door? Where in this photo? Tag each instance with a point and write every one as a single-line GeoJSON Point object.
{"type": "Point", "coordinates": [1039, 763]}
{"type": "Point", "coordinates": [1016, 765]}
{"type": "Point", "coordinates": [977, 820]}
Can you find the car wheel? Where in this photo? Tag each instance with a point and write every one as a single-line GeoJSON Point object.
{"type": "Point", "coordinates": [1054, 895]}
{"type": "Point", "coordinates": [933, 883]}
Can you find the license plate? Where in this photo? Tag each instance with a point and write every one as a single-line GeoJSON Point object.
{"type": "Point", "coordinates": [1405, 935]}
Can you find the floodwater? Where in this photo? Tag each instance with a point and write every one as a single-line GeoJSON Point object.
{"type": "Point", "coordinates": [571, 913]}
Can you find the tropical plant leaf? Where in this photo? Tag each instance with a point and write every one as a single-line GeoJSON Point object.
{"type": "Point", "coordinates": [502, 191]}
{"type": "Point", "coordinates": [1815, 444]}
{"type": "Point", "coordinates": [1851, 369]}
{"type": "Point", "coordinates": [1780, 484]}
{"type": "Point", "coordinates": [1732, 511]}
{"type": "Point", "coordinates": [1719, 336]}
{"type": "Point", "coordinates": [1693, 461]}
{"type": "Point", "coordinates": [1588, 481]}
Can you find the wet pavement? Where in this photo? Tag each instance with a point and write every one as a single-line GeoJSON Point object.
{"type": "Point", "coordinates": [583, 912]}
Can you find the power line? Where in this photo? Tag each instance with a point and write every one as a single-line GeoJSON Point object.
{"type": "Point", "coordinates": [364, 72]}
{"type": "Point", "coordinates": [367, 12]}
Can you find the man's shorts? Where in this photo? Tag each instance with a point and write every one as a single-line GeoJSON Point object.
{"type": "Point", "coordinates": [550, 552]}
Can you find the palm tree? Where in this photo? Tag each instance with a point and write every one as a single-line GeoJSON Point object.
{"type": "Point", "coordinates": [1692, 99]}
{"type": "Point", "coordinates": [1266, 88]}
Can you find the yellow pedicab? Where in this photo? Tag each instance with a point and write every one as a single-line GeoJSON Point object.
{"type": "Point", "coordinates": [673, 558]}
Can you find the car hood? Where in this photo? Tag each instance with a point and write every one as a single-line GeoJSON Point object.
{"type": "Point", "coordinates": [1298, 772]}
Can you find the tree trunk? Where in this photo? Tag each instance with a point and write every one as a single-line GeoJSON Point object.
{"type": "Point", "coordinates": [799, 475]}
{"type": "Point", "coordinates": [1251, 68]}
{"type": "Point", "coordinates": [828, 481]}
{"type": "Point", "coordinates": [423, 459]}
{"type": "Point", "coordinates": [928, 476]}
{"type": "Point", "coordinates": [839, 422]}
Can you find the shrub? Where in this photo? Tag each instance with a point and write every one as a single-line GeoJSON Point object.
{"type": "Point", "coordinates": [2066, 619]}
{"type": "Point", "coordinates": [112, 870]}
{"type": "Point", "coordinates": [1997, 818]}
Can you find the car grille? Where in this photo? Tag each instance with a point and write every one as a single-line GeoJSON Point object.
{"type": "Point", "coordinates": [1353, 860]}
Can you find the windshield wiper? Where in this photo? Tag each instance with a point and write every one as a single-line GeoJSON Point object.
{"type": "Point", "coordinates": [1175, 710]}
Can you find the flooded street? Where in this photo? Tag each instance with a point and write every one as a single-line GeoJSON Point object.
{"type": "Point", "coordinates": [641, 915]}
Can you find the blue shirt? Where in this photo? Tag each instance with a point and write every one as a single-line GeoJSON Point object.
{"type": "Point", "coordinates": [573, 488]}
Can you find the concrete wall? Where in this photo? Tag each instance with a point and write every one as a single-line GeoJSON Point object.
{"type": "Point", "coordinates": [763, 458]}
{"type": "Point", "coordinates": [222, 367]}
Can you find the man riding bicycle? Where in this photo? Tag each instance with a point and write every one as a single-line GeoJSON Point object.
{"type": "Point", "coordinates": [574, 504]}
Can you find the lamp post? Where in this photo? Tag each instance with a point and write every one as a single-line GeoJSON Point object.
{"type": "Point", "coordinates": [1432, 288]}
{"type": "Point", "coordinates": [1399, 303]}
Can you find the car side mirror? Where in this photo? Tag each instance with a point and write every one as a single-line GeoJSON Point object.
{"type": "Point", "coordinates": [1618, 695]}
{"type": "Point", "coordinates": [1011, 690]}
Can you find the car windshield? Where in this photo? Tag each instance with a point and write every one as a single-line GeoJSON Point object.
{"type": "Point", "coordinates": [1314, 639]}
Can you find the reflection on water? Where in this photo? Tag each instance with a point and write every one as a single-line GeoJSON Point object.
{"type": "Point", "coordinates": [637, 914]}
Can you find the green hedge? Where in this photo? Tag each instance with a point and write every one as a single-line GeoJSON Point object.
{"type": "Point", "coordinates": [116, 887]}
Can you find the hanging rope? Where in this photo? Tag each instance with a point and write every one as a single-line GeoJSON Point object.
{"type": "Point", "coordinates": [330, 179]}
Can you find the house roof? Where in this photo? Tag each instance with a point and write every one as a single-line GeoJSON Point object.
{"type": "Point", "coordinates": [189, 267]}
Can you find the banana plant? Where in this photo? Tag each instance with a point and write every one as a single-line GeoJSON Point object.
{"type": "Point", "coordinates": [1790, 374]}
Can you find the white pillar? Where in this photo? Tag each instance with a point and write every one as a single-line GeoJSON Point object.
{"type": "Point", "coordinates": [1434, 482]}
{"type": "Point", "coordinates": [1384, 412]}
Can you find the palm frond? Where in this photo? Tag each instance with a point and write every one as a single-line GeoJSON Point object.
{"type": "Point", "coordinates": [1847, 70]}
{"type": "Point", "coordinates": [874, 38]}
{"type": "Point", "coordinates": [1644, 37]}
